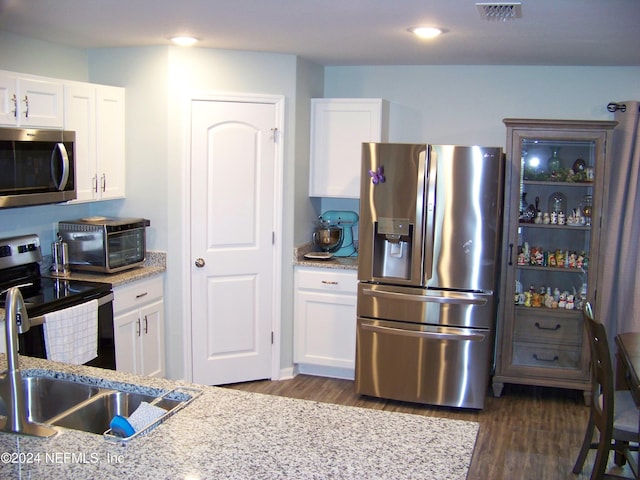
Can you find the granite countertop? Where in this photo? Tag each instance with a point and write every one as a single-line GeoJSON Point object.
{"type": "Point", "coordinates": [343, 263]}
{"type": "Point", "coordinates": [154, 264]}
{"type": "Point", "coordinates": [232, 434]}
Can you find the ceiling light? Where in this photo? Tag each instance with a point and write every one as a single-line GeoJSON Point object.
{"type": "Point", "coordinates": [184, 41]}
{"type": "Point", "coordinates": [426, 32]}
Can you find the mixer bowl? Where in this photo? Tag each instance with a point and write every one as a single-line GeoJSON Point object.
{"type": "Point", "coordinates": [328, 239]}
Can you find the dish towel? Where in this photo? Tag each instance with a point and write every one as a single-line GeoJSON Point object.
{"type": "Point", "coordinates": [71, 335]}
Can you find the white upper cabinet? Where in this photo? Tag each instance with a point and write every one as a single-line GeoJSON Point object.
{"type": "Point", "coordinates": [110, 140]}
{"type": "Point", "coordinates": [30, 102]}
{"type": "Point", "coordinates": [339, 126]}
{"type": "Point", "coordinates": [97, 114]}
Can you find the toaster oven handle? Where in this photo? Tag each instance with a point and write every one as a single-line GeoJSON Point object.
{"type": "Point", "coordinates": [64, 174]}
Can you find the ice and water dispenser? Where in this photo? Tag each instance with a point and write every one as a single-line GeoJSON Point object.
{"type": "Point", "coordinates": [392, 248]}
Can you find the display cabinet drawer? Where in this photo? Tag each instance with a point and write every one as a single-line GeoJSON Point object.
{"type": "Point", "coordinates": [547, 356]}
{"type": "Point", "coordinates": [546, 325]}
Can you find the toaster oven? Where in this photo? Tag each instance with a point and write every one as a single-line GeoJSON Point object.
{"type": "Point", "coordinates": [103, 244]}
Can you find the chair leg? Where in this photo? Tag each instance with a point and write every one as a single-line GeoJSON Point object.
{"type": "Point", "coordinates": [619, 447]}
{"type": "Point", "coordinates": [586, 445]}
{"type": "Point", "coordinates": [602, 456]}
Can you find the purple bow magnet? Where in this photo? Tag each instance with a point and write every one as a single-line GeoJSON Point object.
{"type": "Point", "coordinates": [377, 176]}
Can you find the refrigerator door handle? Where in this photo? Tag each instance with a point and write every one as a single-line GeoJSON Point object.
{"type": "Point", "coordinates": [451, 297]}
{"type": "Point", "coordinates": [473, 337]}
{"type": "Point", "coordinates": [430, 212]}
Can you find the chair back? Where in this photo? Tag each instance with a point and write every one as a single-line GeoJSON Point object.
{"type": "Point", "coordinates": [602, 390]}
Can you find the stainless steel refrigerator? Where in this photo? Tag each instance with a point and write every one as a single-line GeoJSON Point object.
{"type": "Point", "coordinates": [429, 246]}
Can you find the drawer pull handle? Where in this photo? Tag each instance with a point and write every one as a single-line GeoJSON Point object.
{"type": "Point", "coordinates": [329, 282]}
{"type": "Point", "coordinates": [542, 359]}
{"type": "Point", "coordinates": [557, 327]}
{"type": "Point", "coordinates": [140, 295]}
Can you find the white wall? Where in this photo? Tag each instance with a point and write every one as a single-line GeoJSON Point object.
{"type": "Point", "coordinates": [25, 55]}
{"type": "Point", "coordinates": [143, 73]}
{"type": "Point", "coordinates": [466, 104]}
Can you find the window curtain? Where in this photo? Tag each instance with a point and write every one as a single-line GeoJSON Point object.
{"type": "Point", "coordinates": [619, 285]}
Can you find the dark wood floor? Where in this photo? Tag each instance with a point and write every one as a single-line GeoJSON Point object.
{"type": "Point", "coordinates": [528, 433]}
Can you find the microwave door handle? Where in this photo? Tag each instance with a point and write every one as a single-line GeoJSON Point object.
{"type": "Point", "coordinates": [451, 297]}
{"type": "Point", "coordinates": [64, 177]}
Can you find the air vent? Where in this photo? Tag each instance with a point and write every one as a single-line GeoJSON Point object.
{"type": "Point", "coordinates": [500, 11]}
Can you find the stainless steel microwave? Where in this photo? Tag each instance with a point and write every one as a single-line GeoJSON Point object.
{"type": "Point", "coordinates": [37, 167]}
{"type": "Point", "coordinates": [105, 244]}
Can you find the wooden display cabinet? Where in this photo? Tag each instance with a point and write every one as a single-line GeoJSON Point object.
{"type": "Point", "coordinates": [552, 252]}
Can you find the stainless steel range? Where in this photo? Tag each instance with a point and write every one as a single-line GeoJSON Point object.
{"type": "Point", "coordinates": [430, 229]}
{"type": "Point", "coordinates": [19, 257]}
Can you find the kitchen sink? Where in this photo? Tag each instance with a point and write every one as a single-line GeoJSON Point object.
{"type": "Point", "coordinates": [95, 416]}
{"type": "Point", "coordinates": [78, 406]}
{"type": "Point", "coordinates": [47, 397]}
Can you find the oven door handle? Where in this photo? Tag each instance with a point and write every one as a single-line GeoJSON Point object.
{"type": "Point", "coordinates": [39, 320]}
{"type": "Point", "coordinates": [448, 297]}
{"type": "Point", "coordinates": [473, 337]}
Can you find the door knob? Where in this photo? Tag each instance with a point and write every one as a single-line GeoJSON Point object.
{"type": "Point", "coordinates": [199, 262]}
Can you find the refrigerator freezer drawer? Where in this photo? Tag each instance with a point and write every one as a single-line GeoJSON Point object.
{"type": "Point", "coordinates": [423, 364]}
{"type": "Point", "coordinates": [427, 306]}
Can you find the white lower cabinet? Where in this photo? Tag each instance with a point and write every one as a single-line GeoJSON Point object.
{"type": "Point", "coordinates": [325, 321]}
{"type": "Point", "coordinates": [139, 327]}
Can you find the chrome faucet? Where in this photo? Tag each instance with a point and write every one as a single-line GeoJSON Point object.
{"type": "Point", "coordinates": [16, 318]}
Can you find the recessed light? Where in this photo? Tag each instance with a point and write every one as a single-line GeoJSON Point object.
{"type": "Point", "coordinates": [426, 32]}
{"type": "Point", "coordinates": [184, 41]}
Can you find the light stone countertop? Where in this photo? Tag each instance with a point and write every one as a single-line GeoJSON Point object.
{"type": "Point", "coordinates": [155, 264]}
{"type": "Point", "coordinates": [230, 434]}
{"type": "Point", "coordinates": [342, 263]}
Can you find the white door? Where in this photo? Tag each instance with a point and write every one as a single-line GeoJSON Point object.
{"type": "Point", "coordinates": [232, 227]}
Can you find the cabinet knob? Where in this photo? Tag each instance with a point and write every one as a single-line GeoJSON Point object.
{"type": "Point", "coordinates": [199, 262]}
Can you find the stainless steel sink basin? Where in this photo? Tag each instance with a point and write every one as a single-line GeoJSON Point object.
{"type": "Point", "coordinates": [47, 397]}
{"type": "Point", "coordinates": [88, 408]}
{"type": "Point", "coordinates": [95, 416]}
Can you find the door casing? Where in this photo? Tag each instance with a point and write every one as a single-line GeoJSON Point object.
{"type": "Point", "coordinates": [279, 102]}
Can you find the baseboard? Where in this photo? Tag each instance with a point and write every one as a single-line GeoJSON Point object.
{"type": "Point", "coordinates": [323, 371]}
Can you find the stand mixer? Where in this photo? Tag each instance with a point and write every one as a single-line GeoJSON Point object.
{"type": "Point", "coordinates": [344, 220]}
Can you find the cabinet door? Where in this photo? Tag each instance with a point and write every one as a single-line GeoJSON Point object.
{"type": "Point", "coordinates": [30, 101]}
{"type": "Point", "coordinates": [151, 348]}
{"type": "Point", "coordinates": [326, 329]}
{"type": "Point", "coordinates": [110, 121]}
{"type": "Point", "coordinates": [40, 103]}
{"type": "Point", "coordinates": [80, 116]}
{"type": "Point", "coordinates": [325, 319]}
{"type": "Point", "coordinates": [338, 129]}
{"type": "Point", "coordinates": [8, 99]}
{"type": "Point", "coordinates": [126, 336]}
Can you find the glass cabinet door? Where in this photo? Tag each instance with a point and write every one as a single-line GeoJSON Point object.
{"type": "Point", "coordinates": [554, 223]}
